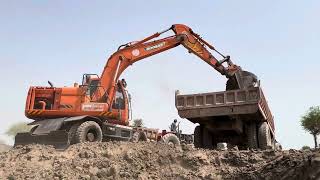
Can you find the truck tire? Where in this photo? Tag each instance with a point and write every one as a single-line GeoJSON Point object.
{"type": "Point", "coordinates": [88, 131]}
{"type": "Point", "coordinates": [171, 138]}
{"type": "Point", "coordinates": [197, 140]}
{"type": "Point", "coordinates": [252, 138]}
{"type": "Point", "coordinates": [139, 136]}
{"type": "Point", "coordinates": [264, 136]}
{"type": "Point", "coordinates": [72, 133]}
{"type": "Point", "coordinates": [207, 138]}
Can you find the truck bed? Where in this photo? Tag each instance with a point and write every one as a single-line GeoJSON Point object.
{"type": "Point", "coordinates": [248, 104]}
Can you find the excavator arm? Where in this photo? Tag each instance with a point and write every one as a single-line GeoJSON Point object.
{"type": "Point", "coordinates": [58, 111]}
{"type": "Point", "coordinates": [130, 53]}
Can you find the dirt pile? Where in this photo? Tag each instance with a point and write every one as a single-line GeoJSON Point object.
{"type": "Point", "coordinates": [125, 160]}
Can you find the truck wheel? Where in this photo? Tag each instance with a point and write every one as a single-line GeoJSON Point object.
{"type": "Point", "coordinates": [171, 138]}
{"type": "Point", "coordinates": [252, 136]}
{"type": "Point", "coordinates": [207, 138]}
{"type": "Point", "coordinates": [88, 131]}
{"type": "Point", "coordinates": [139, 136]}
{"type": "Point", "coordinates": [72, 133]}
{"type": "Point", "coordinates": [264, 136]}
{"type": "Point", "coordinates": [197, 137]}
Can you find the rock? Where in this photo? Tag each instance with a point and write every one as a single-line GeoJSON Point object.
{"type": "Point", "coordinates": [107, 153]}
{"type": "Point", "coordinates": [212, 176]}
{"type": "Point", "coordinates": [79, 168]}
{"type": "Point", "coordinates": [234, 148]}
{"type": "Point", "coordinates": [94, 178]}
{"type": "Point", "coordinates": [103, 173]}
{"type": "Point", "coordinates": [93, 170]}
{"type": "Point", "coordinates": [128, 156]}
{"type": "Point", "coordinates": [86, 177]}
{"type": "Point", "coordinates": [222, 146]}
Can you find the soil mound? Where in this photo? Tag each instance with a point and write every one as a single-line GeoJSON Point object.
{"type": "Point", "coordinates": [147, 160]}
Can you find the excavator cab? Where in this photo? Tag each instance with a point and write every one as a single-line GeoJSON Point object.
{"type": "Point", "coordinates": [92, 82]}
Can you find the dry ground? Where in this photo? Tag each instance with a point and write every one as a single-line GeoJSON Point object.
{"type": "Point", "coordinates": [147, 160]}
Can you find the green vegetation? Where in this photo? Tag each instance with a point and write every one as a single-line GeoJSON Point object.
{"type": "Point", "coordinates": [311, 122]}
{"type": "Point", "coordinates": [305, 147]}
{"type": "Point", "coordinates": [18, 127]}
{"type": "Point", "coordinates": [137, 123]}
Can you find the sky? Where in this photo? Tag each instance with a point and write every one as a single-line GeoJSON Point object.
{"type": "Point", "coordinates": [61, 40]}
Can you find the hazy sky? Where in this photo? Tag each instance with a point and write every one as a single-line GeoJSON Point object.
{"type": "Point", "coordinates": [61, 40]}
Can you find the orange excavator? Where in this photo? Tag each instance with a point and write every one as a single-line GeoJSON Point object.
{"type": "Point", "coordinates": [100, 107]}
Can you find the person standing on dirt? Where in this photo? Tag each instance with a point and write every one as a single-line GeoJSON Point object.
{"type": "Point", "coordinates": [173, 127]}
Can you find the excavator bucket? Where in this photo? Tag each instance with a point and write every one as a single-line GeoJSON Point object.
{"type": "Point", "coordinates": [242, 80]}
{"type": "Point", "coordinates": [45, 132]}
{"type": "Point", "coordinates": [58, 139]}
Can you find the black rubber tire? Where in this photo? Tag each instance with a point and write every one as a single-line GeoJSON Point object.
{"type": "Point", "coordinates": [252, 138]}
{"type": "Point", "coordinates": [207, 138]}
{"type": "Point", "coordinates": [264, 136]}
{"type": "Point", "coordinates": [170, 138]}
{"type": "Point", "coordinates": [139, 136]}
{"type": "Point", "coordinates": [197, 140]}
{"type": "Point", "coordinates": [72, 133]}
{"type": "Point", "coordinates": [88, 127]}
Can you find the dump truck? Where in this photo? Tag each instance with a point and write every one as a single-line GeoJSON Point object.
{"type": "Point", "coordinates": [100, 107]}
{"type": "Point", "coordinates": [238, 117]}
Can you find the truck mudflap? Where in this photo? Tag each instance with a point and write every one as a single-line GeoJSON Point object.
{"type": "Point", "coordinates": [59, 139]}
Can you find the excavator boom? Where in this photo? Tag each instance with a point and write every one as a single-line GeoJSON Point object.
{"type": "Point", "coordinates": [130, 53]}
{"type": "Point", "coordinates": [58, 111]}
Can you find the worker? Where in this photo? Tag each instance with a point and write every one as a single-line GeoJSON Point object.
{"type": "Point", "coordinates": [173, 127]}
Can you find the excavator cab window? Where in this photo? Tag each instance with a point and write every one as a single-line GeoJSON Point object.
{"type": "Point", "coordinates": [93, 86]}
{"type": "Point", "coordinates": [118, 102]}
{"type": "Point", "coordinates": [92, 82]}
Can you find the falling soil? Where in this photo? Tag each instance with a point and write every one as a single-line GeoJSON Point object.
{"type": "Point", "coordinates": [147, 160]}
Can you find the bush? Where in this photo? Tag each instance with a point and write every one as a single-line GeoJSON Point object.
{"type": "Point", "coordinates": [18, 127]}
{"type": "Point", "coordinates": [305, 147]}
{"type": "Point", "coordinates": [137, 123]}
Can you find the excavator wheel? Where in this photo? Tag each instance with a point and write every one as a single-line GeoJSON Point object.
{"type": "Point", "coordinates": [264, 136]}
{"type": "Point", "coordinates": [171, 139]}
{"type": "Point", "coordinates": [197, 137]}
{"type": "Point", "coordinates": [252, 138]}
{"type": "Point", "coordinates": [72, 133]}
{"type": "Point", "coordinates": [88, 131]}
{"type": "Point", "coordinates": [139, 136]}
